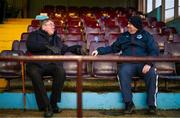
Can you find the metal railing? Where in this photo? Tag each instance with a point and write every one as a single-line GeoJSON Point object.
{"type": "Point", "coordinates": [80, 60]}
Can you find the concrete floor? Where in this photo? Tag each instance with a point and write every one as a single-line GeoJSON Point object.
{"type": "Point", "coordinates": [90, 113]}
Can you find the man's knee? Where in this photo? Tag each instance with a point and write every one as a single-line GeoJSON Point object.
{"type": "Point", "coordinates": [32, 71]}
{"type": "Point", "coordinates": [152, 73]}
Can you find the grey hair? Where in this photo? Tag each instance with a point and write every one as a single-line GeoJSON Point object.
{"type": "Point", "coordinates": [43, 22]}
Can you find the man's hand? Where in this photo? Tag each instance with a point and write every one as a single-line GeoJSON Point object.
{"type": "Point", "coordinates": [95, 53]}
{"type": "Point", "coordinates": [146, 69]}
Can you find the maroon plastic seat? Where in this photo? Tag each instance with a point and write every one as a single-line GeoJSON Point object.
{"type": "Point", "coordinates": [112, 37]}
{"type": "Point", "coordinates": [102, 69]}
{"type": "Point", "coordinates": [73, 29]}
{"type": "Point", "coordinates": [60, 29]}
{"type": "Point", "coordinates": [15, 45]}
{"type": "Point", "coordinates": [71, 67]}
{"type": "Point", "coordinates": [122, 21]}
{"type": "Point", "coordinates": [74, 36]}
{"type": "Point", "coordinates": [160, 39]}
{"type": "Point", "coordinates": [94, 37]}
{"type": "Point", "coordinates": [95, 29]}
{"type": "Point", "coordinates": [90, 22]}
{"type": "Point", "coordinates": [32, 28]}
{"type": "Point", "coordinates": [22, 46]}
{"type": "Point", "coordinates": [167, 70]}
{"type": "Point", "coordinates": [151, 30]}
{"type": "Point", "coordinates": [35, 22]}
{"type": "Point", "coordinates": [176, 38]}
{"type": "Point", "coordinates": [10, 69]}
{"type": "Point", "coordinates": [73, 21]}
{"type": "Point", "coordinates": [59, 22]}
{"type": "Point", "coordinates": [24, 36]}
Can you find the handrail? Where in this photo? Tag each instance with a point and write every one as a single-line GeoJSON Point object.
{"type": "Point", "coordinates": [80, 59]}
{"type": "Point", "coordinates": [91, 58]}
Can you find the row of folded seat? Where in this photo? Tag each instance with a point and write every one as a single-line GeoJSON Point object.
{"type": "Point", "coordinates": [11, 70]}
{"type": "Point", "coordinates": [166, 70]}
{"type": "Point", "coordinates": [110, 38]}
{"type": "Point", "coordinates": [70, 67]}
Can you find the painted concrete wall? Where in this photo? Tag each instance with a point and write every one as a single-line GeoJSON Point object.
{"type": "Point", "coordinates": [91, 100]}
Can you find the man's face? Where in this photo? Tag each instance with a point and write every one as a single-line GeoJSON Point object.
{"type": "Point", "coordinates": [49, 27]}
{"type": "Point", "coordinates": [131, 28]}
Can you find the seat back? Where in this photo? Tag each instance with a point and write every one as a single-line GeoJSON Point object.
{"type": "Point", "coordinates": [15, 45]}
{"type": "Point", "coordinates": [71, 67]}
{"type": "Point", "coordinates": [102, 69]}
{"type": "Point", "coordinates": [10, 69]}
{"type": "Point", "coordinates": [160, 39]}
{"type": "Point", "coordinates": [74, 36]}
{"type": "Point", "coordinates": [22, 46]}
{"type": "Point", "coordinates": [94, 37]}
{"type": "Point", "coordinates": [176, 38]}
{"type": "Point", "coordinates": [168, 68]}
{"type": "Point", "coordinates": [172, 48]}
{"type": "Point", "coordinates": [31, 28]}
{"type": "Point", "coordinates": [112, 37]}
{"type": "Point", "coordinates": [24, 36]}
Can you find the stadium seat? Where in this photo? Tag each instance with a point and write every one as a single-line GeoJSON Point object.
{"type": "Point", "coordinates": [22, 46]}
{"type": "Point", "coordinates": [74, 36]}
{"type": "Point", "coordinates": [8, 69]}
{"type": "Point", "coordinates": [169, 72]}
{"type": "Point", "coordinates": [71, 67]}
{"type": "Point", "coordinates": [35, 23]}
{"type": "Point", "coordinates": [160, 39]}
{"type": "Point", "coordinates": [24, 36]}
{"type": "Point", "coordinates": [31, 28]}
{"type": "Point", "coordinates": [176, 38]}
{"type": "Point", "coordinates": [73, 29]}
{"type": "Point", "coordinates": [112, 37]}
{"type": "Point", "coordinates": [15, 45]}
{"type": "Point", "coordinates": [102, 69]}
{"type": "Point", "coordinates": [94, 37]}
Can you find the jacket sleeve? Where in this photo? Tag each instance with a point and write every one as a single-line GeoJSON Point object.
{"type": "Point", "coordinates": [114, 48]}
{"type": "Point", "coordinates": [152, 46]}
{"type": "Point", "coordinates": [35, 45]}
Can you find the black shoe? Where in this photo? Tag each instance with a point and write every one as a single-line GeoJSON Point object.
{"type": "Point", "coordinates": [152, 110]}
{"type": "Point", "coordinates": [48, 113]}
{"type": "Point", "coordinates": [129, 108]}
{"type": "Point", "coordinates": [56, 109]}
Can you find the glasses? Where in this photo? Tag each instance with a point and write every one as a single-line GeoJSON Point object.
{"type": "Point", "coordinates": [50, 24]}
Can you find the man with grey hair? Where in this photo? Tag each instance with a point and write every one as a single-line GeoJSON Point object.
{"type": "Point", "coordinates": [46, 42]}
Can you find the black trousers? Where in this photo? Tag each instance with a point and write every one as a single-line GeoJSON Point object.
{"type": "Point", "coordinates": [36, 73]}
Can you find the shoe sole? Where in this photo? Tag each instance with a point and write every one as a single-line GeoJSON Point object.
{"type": "Point", "coordinates": [132, 111]}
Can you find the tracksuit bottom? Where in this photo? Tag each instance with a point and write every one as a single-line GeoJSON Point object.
{"type": "Point", "coordinates": [36, 74]}
{"type": "Point", "coordinates": [129, 70]}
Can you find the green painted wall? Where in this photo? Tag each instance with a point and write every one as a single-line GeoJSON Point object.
{"type": "Point", "coordinates": [156, 13]}
{"type": "Point", "coordinates": [174, 23]}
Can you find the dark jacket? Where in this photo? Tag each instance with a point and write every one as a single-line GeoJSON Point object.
{"type": "Point", "coordinates": [141, 43]}
{"type": "Point", "coordinates": [39, 40]}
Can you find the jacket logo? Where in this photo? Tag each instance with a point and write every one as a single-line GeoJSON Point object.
{"type": "Point", "coordinates": [139, 36]}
